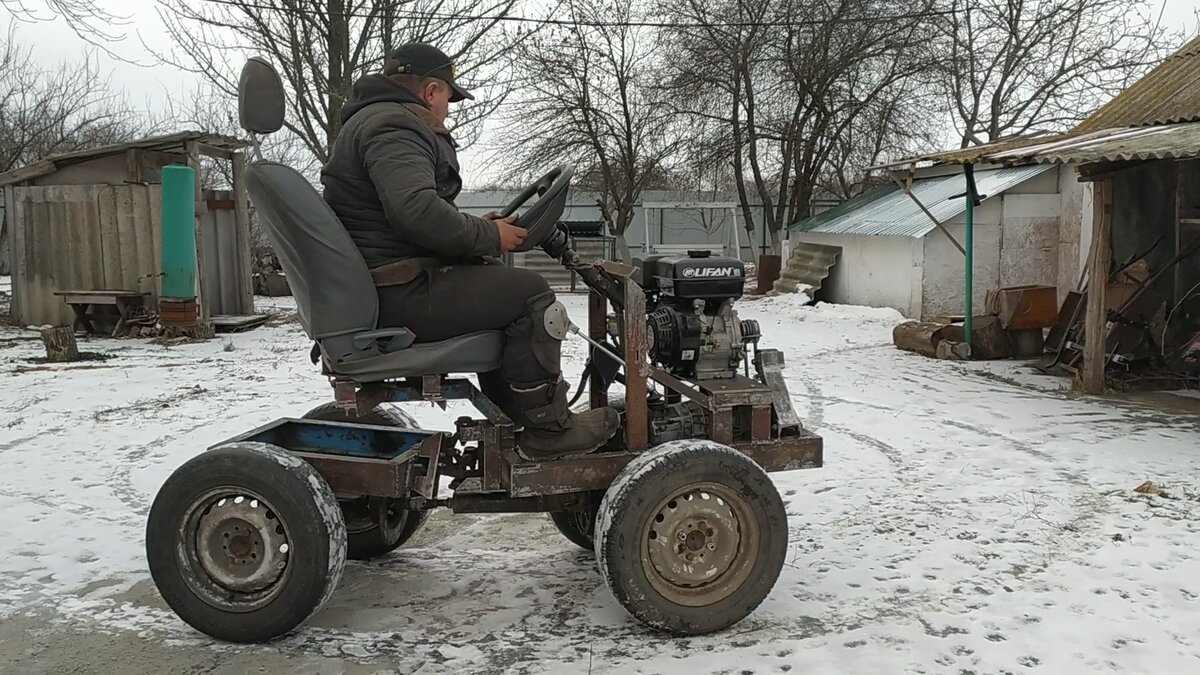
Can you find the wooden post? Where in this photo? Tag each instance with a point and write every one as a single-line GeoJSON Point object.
{"type": "Point", "coordinates": [241, 219]}
{"type": "Point", "coordinates": [1096, 321]}
{"type": "Point", "coordinates": [193, 160]}
{"type": "Point", "coordinates": [60, 344]}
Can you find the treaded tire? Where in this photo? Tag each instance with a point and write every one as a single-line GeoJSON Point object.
{"type": "Point", "coordinates": [579, 527]}
{"type": "Point", "coordinates": [631, 509]}
{"type": "Point", "coordinates": [371, 541]}
{"type": "Point", "coordinates": [291, 492]}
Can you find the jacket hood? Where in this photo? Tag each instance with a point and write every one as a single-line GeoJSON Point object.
{"type": "Point", "coordinates": [377, 88]}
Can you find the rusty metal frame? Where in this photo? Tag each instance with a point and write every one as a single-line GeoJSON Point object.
{"type": "Point", "coordinates": [481, 454]}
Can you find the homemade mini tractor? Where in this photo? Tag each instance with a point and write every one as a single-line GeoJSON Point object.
{"type": "Point", "coordinates": [247, 540]}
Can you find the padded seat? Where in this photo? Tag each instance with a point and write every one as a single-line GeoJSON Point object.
{"type": "Point", "coordinates": [336, 300]}
{"type": "Point", "coordinates": [474, 353]}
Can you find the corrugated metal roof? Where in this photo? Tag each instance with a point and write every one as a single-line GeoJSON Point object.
{"type": "Point", "coordinates": [1169, 141]}
{"type": "Point", "coordinates": [894, 213]}
{"type": "Point", "coordinates": [1169, 93]}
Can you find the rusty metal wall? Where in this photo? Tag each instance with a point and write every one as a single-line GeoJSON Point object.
{"type": "Point", "coordinates": [220, 254]}
{"type": "Point", "coordinates": [103, 237]}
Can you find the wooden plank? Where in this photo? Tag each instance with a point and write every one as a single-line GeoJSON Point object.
{"type": "Point", "coordinates": [27, 173]}
{"type": "Point", "coordinates": [128, 238]}
{"type": "Point", "coordinates": [110, 239]}
{"type": "Point", "coordinates": [154, 201]}
{"type": "Point", "coordinates": [193, 160]}
{"type": "Point", "coordinates": [143, 225]}
{"type": "Point", "coordinates": [225, 323]}
{"type": "Point", "coordinates": [1095, 331]}
{"type": "Point", "coordinates": [90, 210]}
{"type": "Point", "coordinates": [241, 214]}
{"type": "Point", "coordinates": [74, 228]}
{"type": "Point", "coordinates": [61, 247]}
{"type": "Point", "coordinates": [214, 152]}
{"type": "Point", "coordinates": [11, 222]}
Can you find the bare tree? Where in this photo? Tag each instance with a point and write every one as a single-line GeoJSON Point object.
{"type": "Point", "coordinates": [322, 46]}
{"type": "Point", "coordinates": [209, 110]}
{"type": "Point", "coordinates": [587, 97]}
{"type": "Point", "coordinates": [791, 83]}
{"type": "Point", "coordinates": [1012, 67]}
{"type": "Point", "coordinates": [91, 22]}
{"type": "Point", "coordinates": [44, 111]}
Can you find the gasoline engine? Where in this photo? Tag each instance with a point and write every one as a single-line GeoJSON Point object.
{"type": "Point", "coordinates": [692, 331]}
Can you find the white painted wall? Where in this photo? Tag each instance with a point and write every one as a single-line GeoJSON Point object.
{"type": "Point", "coordinates": [1075, 229]}
{"type": "Point", "coordinates": [943, 282]}
{"type": "Point", "coordinates": [873, 271]}
{"type": "Point", "coordinates": [1016, 243]}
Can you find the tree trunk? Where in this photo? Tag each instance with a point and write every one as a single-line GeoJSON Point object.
{"type": "Point", "coordinates": [60, 344]}
{"type": "Point", "coordinates": [918, 336]}
{"type": "Point", "coordinates": [623, 249]}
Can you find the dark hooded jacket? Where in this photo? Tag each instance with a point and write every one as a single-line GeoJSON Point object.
{"type": "Point", "coordinates": [392, 178]}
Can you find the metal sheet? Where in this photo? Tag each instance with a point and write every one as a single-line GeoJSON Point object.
{"type": "Point", "coordinates": [892, 213]}
{"type": "Point", "coordinates": [808, 265]}
{"type": "Point", "coordinates": [1168, 93]}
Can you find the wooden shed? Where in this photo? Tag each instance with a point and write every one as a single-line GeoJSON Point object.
{"type": "Point", "coordinates": [92, 220]}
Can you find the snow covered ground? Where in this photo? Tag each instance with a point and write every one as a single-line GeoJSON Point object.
{"type": "Point", "coordinates": [971, 518]}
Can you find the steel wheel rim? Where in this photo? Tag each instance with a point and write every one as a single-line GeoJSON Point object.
{"type": "Point", "coordinates": [237, 550]}
{"type": "Point", "coordinates": [700, 544]}
{"type": "Point", "coordinates": [361, 517]}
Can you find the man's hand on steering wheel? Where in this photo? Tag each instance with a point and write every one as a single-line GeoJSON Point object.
{"type": "Point", "coordinates": [511, 236]}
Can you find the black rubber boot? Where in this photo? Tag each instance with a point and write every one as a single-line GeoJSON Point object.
{"type": "Point", "coordinates": [552, 431]}
{"type": "Point", "coordinates": [495, 387]}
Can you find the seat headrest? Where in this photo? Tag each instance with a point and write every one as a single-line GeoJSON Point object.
{"type": "Point", "coordinates": [260, 97]}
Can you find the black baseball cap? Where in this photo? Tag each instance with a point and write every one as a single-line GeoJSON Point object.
{"type": "Point", "coordinates": [422, 60]}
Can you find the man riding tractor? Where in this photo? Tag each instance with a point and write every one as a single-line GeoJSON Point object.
{"type": "Point", "coordinates": [392, 178]}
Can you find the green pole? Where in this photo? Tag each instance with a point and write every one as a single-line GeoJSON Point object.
{"type": "Point", "coordinates": [179, 232]}
{"type": "Point", "coordinates": [970, 271]}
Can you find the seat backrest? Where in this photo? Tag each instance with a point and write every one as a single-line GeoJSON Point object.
{"type": "Point", "coordinates": [334, 292]}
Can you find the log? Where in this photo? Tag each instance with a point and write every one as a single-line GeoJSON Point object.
{"type": "Point", "coordinates": [60, 344]}
{"type": "Point", "coordinates": [1027, 343]}
{"type": "Point", "coordinates": [988, 339]}
{"type": "Point", "coordinates": [921, 337]}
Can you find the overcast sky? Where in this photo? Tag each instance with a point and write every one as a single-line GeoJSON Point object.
{"type": "Point", "coordinates": [53, 42]}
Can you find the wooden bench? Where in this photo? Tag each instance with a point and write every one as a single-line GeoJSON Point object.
{"type": "Point", "coordinates": [85, 303]}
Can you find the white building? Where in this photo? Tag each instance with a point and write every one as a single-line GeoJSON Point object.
{"type": "Point", "coordinates": [883, 249]}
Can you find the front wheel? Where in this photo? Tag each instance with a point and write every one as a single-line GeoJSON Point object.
{"type": "Point", "coordinates": [245, 542]}
{"type": "Point", "coordinates": [691, 537]}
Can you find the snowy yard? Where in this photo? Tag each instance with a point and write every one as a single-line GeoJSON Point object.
{"type": "Point", "coordinates": [971, 518]}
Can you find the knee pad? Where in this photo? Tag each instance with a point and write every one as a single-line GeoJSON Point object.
{"type": "Point", "coordinates": [551, 315]}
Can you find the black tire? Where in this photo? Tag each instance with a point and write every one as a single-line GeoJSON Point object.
{"type": "Point", "coordinates": [708, 500]}
{"type": "Point", "coordinates": [579, 526]}
{"type": "Point", "coordinates": [243, 488]}
{"type": "Point", "coordinates": [366, 539]}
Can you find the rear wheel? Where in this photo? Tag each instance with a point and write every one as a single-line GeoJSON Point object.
{"type": "Point", "coordinates": [375, 526]}
{"type": "Point", "coordinates": [691, 537]}
{"type": "Point", "coordinates": [245, 542]}
{"type": "Point", "coordinates": [579, 526]}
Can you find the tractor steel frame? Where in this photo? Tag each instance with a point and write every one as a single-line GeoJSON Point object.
{"type": "Point", "coordinates": [488, 474]}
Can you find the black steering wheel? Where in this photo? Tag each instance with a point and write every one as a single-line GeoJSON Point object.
{"type": "Point", "coordinates": [541, 219]}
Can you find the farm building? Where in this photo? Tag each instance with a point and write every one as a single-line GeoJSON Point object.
{"type": "Point", "coordinates": [901, 247]}
{"type": "Point", "coordinates": [1128, 213]}
{"type": "Point", "coordinates": [90, 222]}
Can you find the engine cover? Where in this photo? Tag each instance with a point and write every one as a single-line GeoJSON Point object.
{"type": "Point", "coordinates": [697, 276]}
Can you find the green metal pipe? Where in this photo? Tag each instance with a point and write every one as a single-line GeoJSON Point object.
{"type": "Point", "coordinates": [179, 232]}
